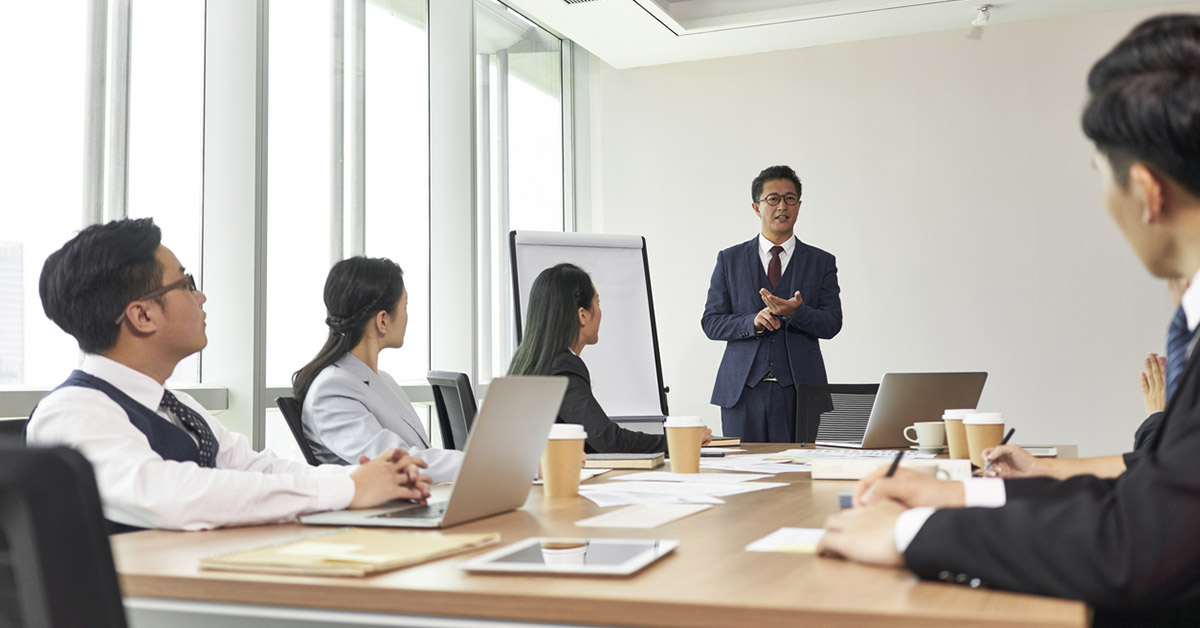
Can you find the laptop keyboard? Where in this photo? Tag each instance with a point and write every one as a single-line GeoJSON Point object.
{"type": "Point", "coordinates": [431, 511]}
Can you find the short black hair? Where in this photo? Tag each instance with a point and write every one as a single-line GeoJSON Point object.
{"type": "Point", "coordinates": [87, 283]}
{"type": "Point", "coordinates": [771, 174]}
{"type": "Point", "coordinates": [1145, 100]}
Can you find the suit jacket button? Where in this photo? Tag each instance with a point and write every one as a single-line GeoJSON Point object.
{"type": "Point", "coordinates": [976, 583]}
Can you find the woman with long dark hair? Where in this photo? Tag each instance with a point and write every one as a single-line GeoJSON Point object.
{"type": "Point", "coordinates": [563, 318]}
{"type": "Point", "coordinates": [350, 407]}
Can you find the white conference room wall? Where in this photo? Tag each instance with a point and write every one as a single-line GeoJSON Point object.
{"type": "Point", "coordinates": [948, 174]}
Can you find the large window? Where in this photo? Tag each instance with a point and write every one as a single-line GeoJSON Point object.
{"type": "Point", "coordinates": [347, 170]}
{"type": "Point", "coordinates": [107, 118]}
{"type": "Point", "coordinates": [41, 176]}
{"type": "Point", "coordinates": [519, 85]}
{"type": "Point", "coordinates": [144, 122]}
{"type": "Point", "coordinates": [166, 131]}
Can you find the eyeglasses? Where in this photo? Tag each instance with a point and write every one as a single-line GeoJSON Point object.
{"type": "Point", "coordinates": [773, 200]}
{"type": "Point", "coordinates": [187, 281]}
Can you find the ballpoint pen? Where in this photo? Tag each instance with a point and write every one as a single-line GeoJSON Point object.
{"type": "Point", "coordinates": [988, 464]}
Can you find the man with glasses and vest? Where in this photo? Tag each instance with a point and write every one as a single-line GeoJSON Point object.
{"type": "Point", "coordinates": [771, 299]}
{"type": "Point", "coordinates": [161, 461]}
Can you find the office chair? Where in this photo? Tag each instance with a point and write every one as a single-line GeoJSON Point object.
{"type": "Point", "coordinates": [13, 427]}
{"type": "Point", "coordinates": [56, 568]}
{"type": "Point", "coordinates": [289, 407]}
{"type": "Point", "coordinates": [833, 412]}
{"type": "Point", "coordinates": [455, 406]}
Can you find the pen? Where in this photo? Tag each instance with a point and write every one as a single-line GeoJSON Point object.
{"type": "Point", "coordinates": [1007, 436]}
{"type": "Point", "coordinates": [895, 463]}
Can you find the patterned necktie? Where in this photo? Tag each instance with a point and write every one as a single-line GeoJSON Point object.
{"type": "Point", "coordinates": [195, 425]}
{"type": "Point", "coordinates": [1178, 339]}
{"type": "Point", "coordinates": [774, 269]}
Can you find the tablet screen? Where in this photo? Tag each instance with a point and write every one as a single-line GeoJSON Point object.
{"type": "Point", "coordinates": [575, 556]}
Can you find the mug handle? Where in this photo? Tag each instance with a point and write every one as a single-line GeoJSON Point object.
{"type": "Point", "coordinates": [908, 438]}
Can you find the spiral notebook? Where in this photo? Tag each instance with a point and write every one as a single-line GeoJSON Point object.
{"type": "Point", "coordinates": [348, 552]}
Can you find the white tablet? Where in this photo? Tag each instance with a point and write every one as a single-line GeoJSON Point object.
{"type": "Point", "coordinates": [600, 557]}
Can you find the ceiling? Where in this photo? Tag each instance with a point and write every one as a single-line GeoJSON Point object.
{"type": "Point", "coordinates": [632, 33]}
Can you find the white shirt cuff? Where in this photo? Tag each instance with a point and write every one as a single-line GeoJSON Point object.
{"type": "Point", "coordinates": [908, 524]}
{"type": "Point", "coordinates": [984, 493]}
{"type": "Point", "coordinates": [335, 493]}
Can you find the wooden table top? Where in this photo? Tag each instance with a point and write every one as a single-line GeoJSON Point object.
{"type": "Point", "coordinates": [710, 580]}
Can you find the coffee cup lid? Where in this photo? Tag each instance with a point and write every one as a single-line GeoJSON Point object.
{"type": "Point", "coordinates": [984, 418]}
{"type": "Point", "coordinates": [683, 421]}
{"type": "Point", "coordinates": [567, 431]}
{"type": "Point", "coordinates": [957, 413]}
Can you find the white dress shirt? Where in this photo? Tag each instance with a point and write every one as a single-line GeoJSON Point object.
{"type": "Point", "coordinates": [351, 411]}
{"type": "Point", "coordinates": [989, 492]}
{"type": "Point", "coordinates": [139, 488]}
{"type": "Point", "coordinates": [764, 253]}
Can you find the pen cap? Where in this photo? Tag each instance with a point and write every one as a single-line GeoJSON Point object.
{"type": "Point", "coordinates": [984, 418]}
{"type": "Point", "coordinates": [567, 431]}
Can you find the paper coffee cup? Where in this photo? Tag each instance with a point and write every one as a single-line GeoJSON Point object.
{"type": "Point", "coordinates": [561, 460]}
{"type": "Point", "coordinates": [684, 435]}
{"type": "Point", "coordinates": [984, 430]}
{"type": "Point", "coordinates": [562, 553]}
{"type": "Point", "coordinates": [956, 434]}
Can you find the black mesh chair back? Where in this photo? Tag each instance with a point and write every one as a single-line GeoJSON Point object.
{"type": "Point", "coordinates": [833, 412]}
{"type": "Point", "coordinates": [56, 567]}
{"type": "Point", "coordinates": [289, 407]}
{"type": "Point", "coordinates": [13, 427]}
{"type": "Point", "coordinates": [455, 406]}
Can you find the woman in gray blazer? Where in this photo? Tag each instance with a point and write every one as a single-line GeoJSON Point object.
{"type": "Point", "coordinates": [350, 407]}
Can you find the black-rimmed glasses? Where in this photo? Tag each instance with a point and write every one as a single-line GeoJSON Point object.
{"type": "Point", "coordinates": [773, 200]}
{"type": "Point", "coordinates": [187, 281]}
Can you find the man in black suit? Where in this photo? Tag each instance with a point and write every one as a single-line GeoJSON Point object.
{"type": "Point", "coordinates": [1128, 545]}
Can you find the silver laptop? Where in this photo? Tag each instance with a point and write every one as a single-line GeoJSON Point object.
{"type": "Point", "coordinates": [903, 399]}
{"type": "Point", "coordinates": [499, 462]}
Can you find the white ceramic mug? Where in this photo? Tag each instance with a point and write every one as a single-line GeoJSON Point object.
{"type": "Point", "coordinates": [927, 434]}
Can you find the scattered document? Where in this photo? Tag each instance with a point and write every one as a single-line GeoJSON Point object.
{"type": "Point", "coordinates": [584, 475]}
{"type": "Point", "coordinates": [607, 499]}
{"type": "Point", "coordinates": [692, 478]}
{"type": "Point", "coordinates": [790, 540]}
{"type": "Point", "coordinates": [642, 516]}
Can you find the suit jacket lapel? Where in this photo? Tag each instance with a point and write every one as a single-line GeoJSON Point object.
{"type": "Point", "coordinates": [754, 270]}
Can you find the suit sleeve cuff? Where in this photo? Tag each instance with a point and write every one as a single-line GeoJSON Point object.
{"type": "Point", "coordinates": [984, 493]}
{"type": "Point", "coordinates": [908, 524]}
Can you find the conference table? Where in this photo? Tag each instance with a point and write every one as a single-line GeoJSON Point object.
{"type": "Point", "coordinates": [709, 581]}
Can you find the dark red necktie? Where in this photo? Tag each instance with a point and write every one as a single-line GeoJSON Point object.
{"type": "Point", "coordinates": [774, 269]}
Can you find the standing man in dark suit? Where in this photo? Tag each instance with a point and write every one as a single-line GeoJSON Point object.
{"type": "Point", "coordinates": [1128, 544]}
{"type": "Point", "coordinates": [770, 299]}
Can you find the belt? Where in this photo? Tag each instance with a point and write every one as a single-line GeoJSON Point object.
{"type": "Point", "coordinates": [769, 377]}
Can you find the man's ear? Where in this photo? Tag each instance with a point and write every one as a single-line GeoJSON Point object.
{"type": "Point", "coordinates": [1147, 186]}
{"type": "Point", "coordinates": [754, 206]}
{"type": "Point", "coordinates": [139, 318]}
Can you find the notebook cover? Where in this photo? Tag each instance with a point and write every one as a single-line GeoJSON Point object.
{"type": "Point", "coordinates": [348, 552]}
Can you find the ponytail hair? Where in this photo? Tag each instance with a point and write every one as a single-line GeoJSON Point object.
{"type": "Point", "coordinates": [356, 290]}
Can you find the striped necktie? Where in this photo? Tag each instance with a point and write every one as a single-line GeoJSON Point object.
{"type": "Point", "coordinates": [1178, 339]}
{"type": "Point", "coordinates": [194, 424]}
